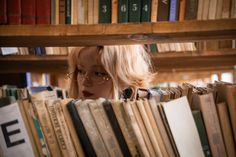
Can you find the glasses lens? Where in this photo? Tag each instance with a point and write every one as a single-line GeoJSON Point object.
{"type": "Point", "coordinates": [95, 77]}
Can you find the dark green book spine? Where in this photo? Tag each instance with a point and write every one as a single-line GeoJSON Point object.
{"type": "Point", "coordinates": [104, 11]}
{"type": "Point", "coordinates": [134, 10]}
{"type": "Point", "coordinates": [146, 11]}
{"type": "Point", "coordinates": [202, 133]}
{"type": "Point", "coordinates": [123, 7]}
{"type": "Point", "coordinates": [68, 12]}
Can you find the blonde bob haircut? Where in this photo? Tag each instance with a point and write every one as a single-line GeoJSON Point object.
{"type": "Point", "coordinates": [127, 65]}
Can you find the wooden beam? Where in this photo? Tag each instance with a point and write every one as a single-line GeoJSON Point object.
{"type": "Point", "coordinates": [116, 34]}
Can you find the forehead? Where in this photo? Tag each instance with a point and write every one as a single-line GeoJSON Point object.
{"type": "Point", "coordinates": [89, 56]}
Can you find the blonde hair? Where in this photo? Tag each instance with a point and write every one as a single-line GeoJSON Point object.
{"type": "Point", "coordinates": [127, 65]}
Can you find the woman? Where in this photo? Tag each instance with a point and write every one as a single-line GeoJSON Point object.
{"type": "Point", "coordinates": [106, 71]}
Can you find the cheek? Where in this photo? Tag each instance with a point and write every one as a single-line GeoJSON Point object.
{"type": "Point", "coordinates": [105, 90]}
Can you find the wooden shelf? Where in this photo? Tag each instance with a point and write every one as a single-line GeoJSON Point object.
{"type": "Point", "coordinates": [169, 62]}
{"type": "Point", "coordinates": [109, 34]}
{"type": "Point", "coordinates": [31, 63]}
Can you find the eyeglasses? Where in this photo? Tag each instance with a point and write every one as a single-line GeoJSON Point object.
{"type": "Point", "coordinates": [96, 77]}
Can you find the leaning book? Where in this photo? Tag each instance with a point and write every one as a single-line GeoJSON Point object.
{"type": "Point", "coordinates": [14, 138]}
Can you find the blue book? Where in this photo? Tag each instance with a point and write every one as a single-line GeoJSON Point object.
{"type": "Point", "coordinates": [174, 10]}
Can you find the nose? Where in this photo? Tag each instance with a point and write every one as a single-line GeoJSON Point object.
{"type": "Point", "coordinates": [87, 81]}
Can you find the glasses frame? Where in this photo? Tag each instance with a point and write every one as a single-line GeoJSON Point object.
{"type": "Point", "coordinates": [69, 76]}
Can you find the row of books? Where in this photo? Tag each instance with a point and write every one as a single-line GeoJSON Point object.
{"type": "Point", "coordinates": [112, 11]}
{"type": "Point", "coordinates": [38, 51]}
{"type": "Point", "coordinates": [184, 121]}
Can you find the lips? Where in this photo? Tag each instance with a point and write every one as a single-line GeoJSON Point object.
{"type": "Point", "coordinates": [87, 94]}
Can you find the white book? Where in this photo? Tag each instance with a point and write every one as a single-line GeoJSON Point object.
{"type": "Point", "coordinates": [14, 139]}
{"type": "Point", "coordinates": [9, 50]}
{"type": "Point", "coordinates": [183, 128]}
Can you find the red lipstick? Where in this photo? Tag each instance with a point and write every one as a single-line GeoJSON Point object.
{"type": "Point", "coordinates": [87, 94]}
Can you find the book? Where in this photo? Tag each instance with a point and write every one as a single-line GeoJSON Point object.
{"type": "Point", "coordinates": [114, 11]}
{"type": "Point", "coordinates": [146, 11]}
{"type": "Point", "coordinates": [94, 134]}
{"type": "Point", "coordinates": [116, 128]}
{"type": "Point", "coordinates": [163, 10]}
{"type": "Point", "coordinates": [154, 8]}
{"type": "Point", "coordinates": [142, 128]}
{"type": "Point", "coordinates": [136, 129]}
{"type": "Point", "coordinates": [202, 132]}
{"type": "Point", "coordinates": [208, 108]}
{"type": "Point", "coordinates": [123, 7]}
{"type": "Point", "coordinates": [148, 126]}
{"type": "Point", "coordinates": [59, 125]}
{"type": "Point", "coordinates": [14, 12]}
{"type": "Point", "coordinates": [184, 132]}
{"type": "Point", "coordinates": [28, 11]}
{"type": "Point", "coordinates": [104, 11]}
{"type": "Point", "coordinates": [182, 9]}
{"type": "Point", "coordinates": [160, 124]}
{"type": "Point", "coordinates": [43, 16]}
{"type": "Point", "coordinates": [69, 122]}
{"type": "Point", "coordinates": [68, 9]}
{"type": "Point", "coordinates": [104, 128]}
{"type": "Point", "coordinates": [80, 130]}
{"type": "Point", "coordinates": [47, 127]}
{"type": "Point", "coordinates": [36, 129]}
{"type": "Point", "coordinates": [226, 128]}
{"type": "Point", "coordinates": [135, 10]}
{"type": "Point", "coordinates": [126, 128]}
{"type": "Point", "coordinates": [14, 138]}
{"type": "Point", "coordinates": [156, 130]}
{"type": "Point", "coordinates": [191, 9]}
{"type": "Point", "coordinates": [174, 10]}
{"type": "Point", "coordinates": [3, 12]}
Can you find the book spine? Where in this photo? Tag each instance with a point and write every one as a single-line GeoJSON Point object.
{"type": "Point", "coordinates": [3, 11]}
{"type": "Point", "coordinates": [60, 128]}
{"type": "Point", "coordinates": [81, 132]}
{"type": "Point", "coordinates": [14, 12]}
{"type": "Point", "coordinates": [174, 10]}
{"type": "Point", "coordinates": [134, 10]}
{"type": "Point", "coordinates": [28, 11]}
{"type": "Point", "coordinates": [104, 11]}
{"type": "Point", "coordinates": [202, 133]}
{"type": "Point", "coordinates": [123, 7]}
{"type": "Point", "coordinates": [47, 127]}
{"type": "Point", "coordinates": [163, 10]}
{"type": "Point", "coordinates": [68, 12]}
{"type": "Point", "coordinates": [116, 128]}
{"type": "Point", "coordinates": [191, 10]}
{"type": "Point", "coordinates": [43, 11]}
{"type": "Point", "coordinates": [15, 141]}
{"type": "Point", "coordinates": [85, 113]}
{"type": "Point", "coordinates": [146, 11]}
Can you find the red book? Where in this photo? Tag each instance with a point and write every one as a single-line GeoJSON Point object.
{"type": "Point", "coordinates": [3, 11]}
{"type": "Point", "coordinates": [43, 11]}
{"type": "Point", "coordinates": [28, 11]}
{"type": "Point", "coordinates": [14, 12]}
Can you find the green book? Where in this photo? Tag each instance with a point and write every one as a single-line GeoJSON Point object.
{"type": "Point", "coordinates": [146, 11]}
{"type": "Point", "coordinates": [104, 11]}
{"type": "Point", "coordinates": [68, 12]}
{"type": "Point", "coordinates": [202, 132]}
{"type": "Point", "coordinates": [134, 10]}
{"type": "Point", "coordinates": [123, 7]}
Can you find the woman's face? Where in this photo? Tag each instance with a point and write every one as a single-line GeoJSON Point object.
{"type": "Point", "coordinates": [93, 80]}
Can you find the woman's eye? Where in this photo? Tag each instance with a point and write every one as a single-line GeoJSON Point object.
{"type": "Point", "coordinates": [81, 72]}
{"type": "Point", "coordinates": [100, 74]}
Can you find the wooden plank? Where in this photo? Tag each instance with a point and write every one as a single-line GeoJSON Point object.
{"type": "Point", "coordinates": [58, 63]}
{"type": "Point", "coordinates": [116, 34]}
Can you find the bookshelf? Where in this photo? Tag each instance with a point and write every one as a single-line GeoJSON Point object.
{"type": "Point", "coordinates": [163, 62]}
{"type": "Point", "coordinates": [129, 33]}
{"type": "Point", "coordinates": [117, 34]}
